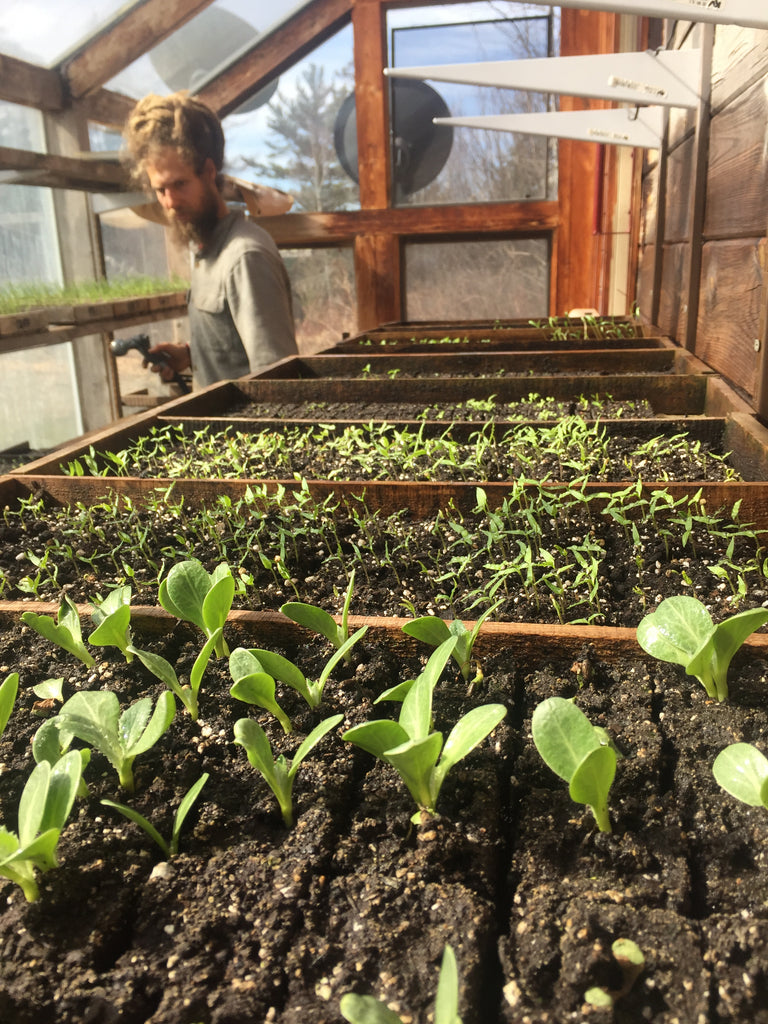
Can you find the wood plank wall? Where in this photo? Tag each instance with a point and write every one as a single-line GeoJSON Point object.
{"type": "Point", "coordinates": [735, 215]}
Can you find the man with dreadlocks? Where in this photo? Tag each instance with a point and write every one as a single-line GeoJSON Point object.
{"type": "Point", "coordinates": [240, 316]}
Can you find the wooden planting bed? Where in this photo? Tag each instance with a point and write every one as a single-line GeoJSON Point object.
{"type": "Point", "coordinates": [511, 872]}
{"type": "Point", "coordinates": [458, 363]}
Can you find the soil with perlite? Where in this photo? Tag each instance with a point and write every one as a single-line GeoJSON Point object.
{"type": "Point", "coordinates": [256, 922]}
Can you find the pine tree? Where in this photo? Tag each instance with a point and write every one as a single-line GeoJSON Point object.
{"type": "Point", "coordinates": [303, 158]}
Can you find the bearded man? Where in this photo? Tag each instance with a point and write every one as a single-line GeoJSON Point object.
{"type": "Point", "coordinates": [239, 304]}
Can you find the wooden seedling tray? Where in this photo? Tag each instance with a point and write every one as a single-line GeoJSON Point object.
{"type": "Point", "coordinates": [532, 644]}
{"type": "Point", "coordinates": [458, 363]}
{"type": "Point", "coordinates": [681, 398]}
{"type": "Point", "coordinates": [421, 499]}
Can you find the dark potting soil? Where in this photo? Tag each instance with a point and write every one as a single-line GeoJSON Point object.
{"type": "Point", "coordinates": [533, 408]}
{"type": "Point", "coordinates": [255, 922]}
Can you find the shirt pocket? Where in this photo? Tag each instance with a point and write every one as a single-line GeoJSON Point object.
{"type": "Point", "coordinates": [208, 298]}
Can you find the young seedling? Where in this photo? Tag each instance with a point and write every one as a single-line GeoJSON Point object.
{"type": "Point", "coordinates": [169, 847]}
{"type": "Point", "coordinates": [51, 742]}
{"type": "Point", "coordinates": [253, 685]}
{"type": "Point", "coordinates": [434, 631]}
{"type": "Point", "coordinates": [681, 631]}
{"type": "Point", "coordinates": [412, 748]}
{"type": "Point", "coordinates": [631, 961]}
{"type": "Point", "coordinates": [368, 1010]}
{"type": "Point", "coordinates": [112, 618]}
{"type": "Point", "coordinates": [278, 773]}
{"type": "Point", "coordinates": [65, 631]}
{"type": "Point", "coordinates": [165, 672]}
{"type": "Point", "coordinates": [742, 770]}
{"type": "Point", "coordinates": [280, 668]}
{"type": "Point", "coordinates": [191, 593]}
{"type": "Point", "coordinates": [94, 717]}
{"type": "Point", "coordinates": [578, 752]}
{"type": "Point", "coordinates": [8, 692]}
{"type": "Point", "coordinates": [44, 807]}
{"type": "Point", "coordinates": [318, 620]}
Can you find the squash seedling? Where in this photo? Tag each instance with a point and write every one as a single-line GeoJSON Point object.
{"type": "Point", "coordinates": [51, 742]}
{"type": "Point", "coordinates": [8, 692]}
{"type": "Point", "coordinates": [253, 685]}
{"type": "Point", "coordinates": [681, 631]}
{"type": "Point", "coordinates": [318, 619]}
{"type": "Point", "coordinates": [112, 617]}
{"type": "Point", "coordinates": [280, 668]}
{"type": "Point", "coordinates": [435, 631]}
{"type": "Point", "coordinates": [66, 631]}
{"type": "Point", "coordinates": [369, 1010]}
{"type": "Point", "coordinates": [631, 961]}
{"type": "Point", "coordinates": [742, 770]}
{"type": "Point", "coordinates": [192, 594]}
{"type": "Point", "coordinates": [578, 752]}
{"type": "Point", "coordinates": [169, 847]}
{"type": "Point", "coordinates": [412, 748]}
{"type": "Point", "coordinates": [278, 773]}
{"type": "Point", "coordinates": [94, 716]}
{"type": "Point", "coordinates": [44, 807]}
{"type": "Point", "coordinates": [165, 672]}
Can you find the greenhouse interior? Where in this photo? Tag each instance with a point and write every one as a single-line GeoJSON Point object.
{"type": "Point", "coordinates": [384, 546]}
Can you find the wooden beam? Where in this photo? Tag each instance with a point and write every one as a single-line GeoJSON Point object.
{"type": "Point", "coordinates": [273, 52]}
{"type": "Point", "coordinates": [30, 85]}
{"type": "Point", "coordinates": [22, 167]}
{"type": "Point", "coordinates": [374, 165]}
{"type": "Point", "coordinates": [579, 174]}
{"type": "Point", "coordinates": [698, 189]}
{"type": "Point", "coordinates": [124, 40]}
{"type": "Point", "coordinates": [476, 220]}
{"type": "Point", "coordinates": [106, 108]}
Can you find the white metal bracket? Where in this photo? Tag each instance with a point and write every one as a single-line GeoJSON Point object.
{"type": "Point", "coordinates": [641, 127]}
{"type": "Point", "coordinates": [667, 77]}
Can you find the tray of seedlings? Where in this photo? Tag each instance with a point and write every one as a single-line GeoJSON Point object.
{"type": "Point", "coordinates": [485, 335]}
{"type": "Point", "coordinates": [287, 696]}
{"type": "Point", "coordinates": [457, 363]}
{"type": "Point", "coordinates": [219, 728]}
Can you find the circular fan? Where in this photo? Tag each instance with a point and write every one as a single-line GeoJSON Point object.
{"type": "Point", "coordinates": [185, 59]}
{"type": "Point", "coordinates": [420, 148]}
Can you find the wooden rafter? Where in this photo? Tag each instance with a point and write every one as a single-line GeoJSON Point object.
{"type": "Point", "coordinates": [124, 40]}
{"type": "Point", "coordinates": [275, 51]}
{"type": "Point", "coordinates": [30, 85]}
{"type": "Point", "coordinates": [21, 167]}
{"type": "Point", "coordinates": [106, 107]}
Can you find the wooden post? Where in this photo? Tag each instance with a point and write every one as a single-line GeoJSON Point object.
{"type": "Point", "coordinates": [95, 375]}
{"type": "Point", "coordinates": [377, 263]}
{"type": "Point", "coordinates": [699, 188]}
{"type": "Point", "coordinates": [377, 276]}
{"type": "Point", "coordinates": [761, 341]}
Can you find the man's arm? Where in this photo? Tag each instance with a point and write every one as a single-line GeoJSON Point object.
{"type": "Point", "coordinates": [259, 298]}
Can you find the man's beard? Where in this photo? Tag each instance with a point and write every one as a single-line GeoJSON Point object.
{"type": "Point", "coordinates": [199, 229]}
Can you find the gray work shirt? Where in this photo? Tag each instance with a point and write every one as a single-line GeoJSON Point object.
{"type": "Point", "coordinates": [240, 315]}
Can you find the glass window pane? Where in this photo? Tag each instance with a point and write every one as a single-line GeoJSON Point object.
{"type": "Point", "coordinates": [291, 141]}
{"type": "Point", "coordinates": [482, 280]}
{"type": "Point", "coordinates": [28, 246]}
{"type": "Point", "coordinates": [459, 164]}
{"type": "Point", "coordinates": [39, 406]}
{"type": "Point", "coordinates": [324, 302]}
{"type": "Point", "coordinates": [40, 31]}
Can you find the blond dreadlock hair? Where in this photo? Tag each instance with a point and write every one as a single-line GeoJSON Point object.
{"type": "Point", "coordinates": [178, 121]}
